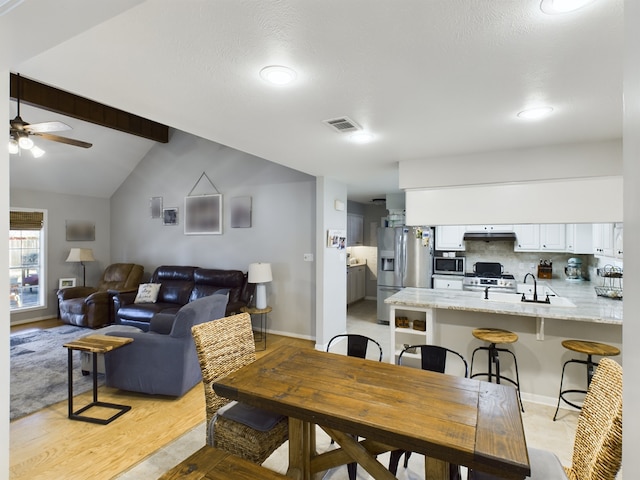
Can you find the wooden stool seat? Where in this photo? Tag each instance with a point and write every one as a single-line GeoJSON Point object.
{"type": "Point", "coordinates": [495, 335]}
{"type": "Point", "coordinates": [589, 349]}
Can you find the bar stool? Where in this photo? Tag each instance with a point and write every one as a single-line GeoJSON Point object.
{"type": "Point", "coordinates": [495, 336]}
{"type": "Point", "coordinates": [590, 349]}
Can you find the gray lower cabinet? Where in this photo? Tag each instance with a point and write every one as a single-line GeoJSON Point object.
{"type": "Point", "coordinates": [356, 287]}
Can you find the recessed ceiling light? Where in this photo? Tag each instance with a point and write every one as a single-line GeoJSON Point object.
{"type": "Point", "coordinates": [361, 137]}
{"type": "Point", "coordinates": [278, 75]}
{"type": "Point", "coordinates": [557, 7]}
{"type": "Point", "coordinates": [535, 113]}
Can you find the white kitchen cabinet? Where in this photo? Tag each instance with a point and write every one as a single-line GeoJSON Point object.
{"type": "Point", "coordinates": [547, 237]}
{"type": "Point", "coordinates": [356, 286]}
{"type": "Point", "coordinates": [603, 239]}
{"type": "Point", "coordinates": [355, 230]}
{"type": "Point", "coordinates": [449, 283]}
{"type": "Point", "coordinates": [579, 238]}
{"type": "Point", "coordinates": [409, 336]}
{"type": "Point", "coordinates": [527, 238]}
{"type": "Point", "coordinates": [490, 228]}
{"type": "Point", "coordinates": [618, 249]}
{"type": "Point", "coordinates": [449, 237]}
{"type": "Point", "coordinates": [553, 237]}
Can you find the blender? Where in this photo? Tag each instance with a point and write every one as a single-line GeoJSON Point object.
{"type": "Point", "coordinates": [573, 270]}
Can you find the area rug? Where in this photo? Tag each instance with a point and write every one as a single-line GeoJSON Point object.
{"type": "Point", "coordinates": [39, 369]}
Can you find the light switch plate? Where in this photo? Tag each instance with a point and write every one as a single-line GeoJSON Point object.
{"type": "Point", "coordinates": [308, 257]}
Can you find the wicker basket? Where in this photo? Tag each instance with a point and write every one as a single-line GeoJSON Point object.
{"type": "Point", "coordinates": [420, 325]}
{"type": "Point", "coordinates": [402, 322]}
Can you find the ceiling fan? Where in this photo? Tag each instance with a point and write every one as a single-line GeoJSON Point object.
{"type": "Point", "coordinates": [21, 131]}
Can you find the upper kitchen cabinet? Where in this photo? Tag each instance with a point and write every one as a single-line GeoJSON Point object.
{"type": "Point", "coordinates": [618, 240]}
{"type": "Point", "coordinates": [449, 237]}
{"type": "Point", "coordinates": [553, 237]}
{"type": "Point", "coordinates": [603, 239]}
{"type": "Point", "coordinates": [548, 237]}
{"type": "Point", "coordinates": [355, 230]}
{"type": "Point", "coordinates": [579, 238]}
{"type": "Point", "coordinates": [527, 238]}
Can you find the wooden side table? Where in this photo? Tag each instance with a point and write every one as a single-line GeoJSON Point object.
{"type": "Point", "coordinates": [94, 344]}
{"type": "Point", "coordinates": [263, 312]}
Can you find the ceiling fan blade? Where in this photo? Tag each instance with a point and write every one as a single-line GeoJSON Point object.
{"type": "Point", "coordinates": [68, 141]}
{"type": "Point", "coordinates": [45, 127]}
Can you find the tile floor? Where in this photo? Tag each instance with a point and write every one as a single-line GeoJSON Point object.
{"type": "Point", "coordinates": [540, 429]}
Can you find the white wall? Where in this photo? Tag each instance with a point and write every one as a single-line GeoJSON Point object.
{"type": "Point", "coordinates": [61, 208]}
{"type": "Point", "coordinates": [631, 328]}
{"type": "Point", "coordinates": [597, 159]}
{"type": "Point", "coordinates": [4, 285]}
{"type": "Point", "coordinates": [283, 203]}
{"type": "Point", "coordinates": [331, 274]}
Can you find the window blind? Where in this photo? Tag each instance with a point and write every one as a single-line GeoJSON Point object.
{"type": "Point", "coordinates": [26, 220]}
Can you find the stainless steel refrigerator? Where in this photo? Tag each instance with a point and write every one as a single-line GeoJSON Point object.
{"type": "Point", "coordinates": [405, 259]}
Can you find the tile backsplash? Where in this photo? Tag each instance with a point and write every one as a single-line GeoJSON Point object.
{"type": "Point", "coordinates": [520, 263]}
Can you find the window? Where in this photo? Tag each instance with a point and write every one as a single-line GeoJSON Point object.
{"type": "Point", "coordinates": [26, 259]}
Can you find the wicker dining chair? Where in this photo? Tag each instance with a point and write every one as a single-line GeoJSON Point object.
{"type": "Point", "coordinates": [597, 448]}
{"type": "Point", "coordinates": [224, 346]}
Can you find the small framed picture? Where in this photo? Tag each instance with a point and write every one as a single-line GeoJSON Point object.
{"type": "Point", "coordinates": [170, 216]}
{"type": "Point", "coordinates": [337, 239]}
{"type": "Point", "coordinates": [241, 212]}
{"type": "Point", "coordinates": [66, 283]}
{"type": "Point", "coordinates": [155, 207]}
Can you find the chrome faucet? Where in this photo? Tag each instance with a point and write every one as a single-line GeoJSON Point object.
{"type": "Point", "coordinates": [535, 286]}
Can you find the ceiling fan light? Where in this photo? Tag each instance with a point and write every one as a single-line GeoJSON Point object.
{"type": "Point", "coordinates": [37, 152]}
{"type": "Point", "coordinates": [25, 143]}
{"type": "Point", "coordinates": [13, 146]}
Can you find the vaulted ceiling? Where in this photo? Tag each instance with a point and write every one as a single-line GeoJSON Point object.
{"type": "Point", "coordinates": [427, 78]}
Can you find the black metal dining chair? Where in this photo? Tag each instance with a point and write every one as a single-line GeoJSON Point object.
{"type": "Point", "coordinates": [434, 359]}
{"type": "Point", "coordinates": [357, 346]}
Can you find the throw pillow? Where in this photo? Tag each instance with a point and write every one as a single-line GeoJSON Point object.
{"type": "Point", "coordinates": [147, 293]}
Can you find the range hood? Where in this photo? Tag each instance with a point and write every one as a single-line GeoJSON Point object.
{"type": "Point", "coordinates": [490, 236]}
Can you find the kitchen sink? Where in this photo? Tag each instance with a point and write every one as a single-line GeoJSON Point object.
{"type": "Point", "coordinates": [554, 300]}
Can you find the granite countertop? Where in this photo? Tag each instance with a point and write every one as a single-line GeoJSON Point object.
{"type": "Point", "coordinates": [588, 306]}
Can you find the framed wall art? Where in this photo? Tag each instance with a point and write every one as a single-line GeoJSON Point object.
{"type": "Point", "coordinates": [241, 212]}
{"type": "Point", "coordinates": [78, 231]}
{"type": "Point", "coordinates": [155, 207]}
{"type": "Point", "coordinates": [170, 216]}
{"type": "Point", "coordinates": [203, 214]}
{"type": "Point", "coordinates": [337, 239]}
{"type": "Point", "coordinates": [66, 283]}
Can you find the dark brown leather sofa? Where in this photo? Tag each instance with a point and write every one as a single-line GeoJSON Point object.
{"type": "Point", "coordinates": [91, 306]}
{"type": "Point", "coordinates": [180, 285]}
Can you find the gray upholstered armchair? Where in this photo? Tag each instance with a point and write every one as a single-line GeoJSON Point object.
{"type": "Point", "coordinates": [91, 306]}
{"type": "Point", "coordinates": [163, 361]}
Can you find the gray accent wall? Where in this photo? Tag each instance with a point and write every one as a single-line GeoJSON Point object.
{"type": "Point", "coordinates": [61, 208]}
{"type": "Point", "coordinates": [282, 224]}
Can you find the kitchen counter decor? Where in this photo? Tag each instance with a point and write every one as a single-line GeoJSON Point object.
{"type": "Point", "coordinates": [611, 282]}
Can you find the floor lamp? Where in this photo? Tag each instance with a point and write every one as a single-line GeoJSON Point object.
{"type": "Point", "coordinates": [81, 255]}
{"type": "Point", "coordinates": [260, 273]}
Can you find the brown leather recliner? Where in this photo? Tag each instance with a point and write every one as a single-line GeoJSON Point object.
{"type": "Point", "coordinates": [91, 306]}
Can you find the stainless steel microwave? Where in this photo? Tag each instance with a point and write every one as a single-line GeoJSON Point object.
{"type": "Point", "coordinates": [448, 265]}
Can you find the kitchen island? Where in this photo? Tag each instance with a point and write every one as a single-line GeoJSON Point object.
{"type": "Point", "coordinates": [451, 315]}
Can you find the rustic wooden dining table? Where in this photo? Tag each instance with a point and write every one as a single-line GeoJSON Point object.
{"type": "Point", "coordinates": [371, 407]}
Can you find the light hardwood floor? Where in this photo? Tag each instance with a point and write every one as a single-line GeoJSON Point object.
{"type": "Point", "coordinates": [47, 445]}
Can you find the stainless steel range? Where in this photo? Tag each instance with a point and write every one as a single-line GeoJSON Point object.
{"type": "Point", "coordinates": [489, 274]}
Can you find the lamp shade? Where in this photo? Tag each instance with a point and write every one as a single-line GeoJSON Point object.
{"type": "Point", "coordinates": [260, 273]}
{"type": "Point", "coordinates": [81, 255]}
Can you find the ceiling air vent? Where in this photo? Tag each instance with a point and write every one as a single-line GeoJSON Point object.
{"type": "Point", "coordinates": [342, 125]}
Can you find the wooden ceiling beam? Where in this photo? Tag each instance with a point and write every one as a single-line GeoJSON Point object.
{"type": "Point", "coordinates": [72, 105]}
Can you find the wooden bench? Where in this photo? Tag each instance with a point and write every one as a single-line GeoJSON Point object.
{"type": "Point", "coordinates": [209, 463]}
